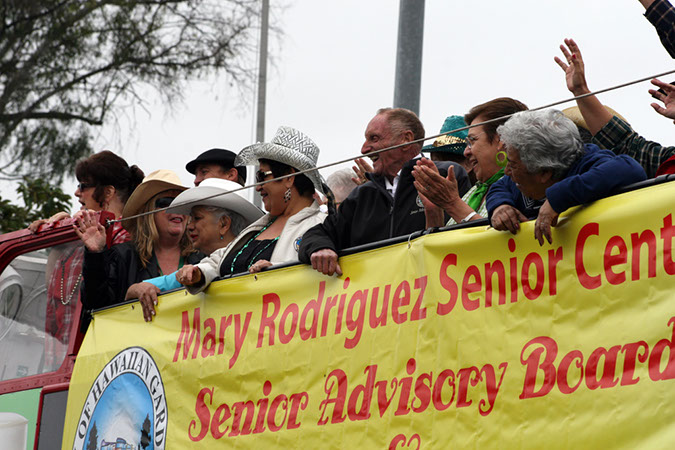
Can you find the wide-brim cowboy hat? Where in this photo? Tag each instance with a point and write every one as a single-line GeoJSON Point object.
{"type": "Point", "coordinates": [198, 196]}
{"type": "Point", "coordinates": [156, 182]}
{"type": "Point", "coordinates": [575, 116]}
{"type": "Point", "coordinates": [289, 146]}
{"type": "Point", "coordinates": [450, 143]}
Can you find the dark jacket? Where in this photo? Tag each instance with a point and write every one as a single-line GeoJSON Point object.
{"type": "Point", "coordinates": [370, 214]}
{"type": "Point", "coordinates": [595, 175]}
{"type": "Point", "coordinates": [107, 275]}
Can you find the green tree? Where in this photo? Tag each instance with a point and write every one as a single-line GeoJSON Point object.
{"type": "Point", "coordinates": [67, 65]}
{"type": "Point", "coordinates": [40, 200]}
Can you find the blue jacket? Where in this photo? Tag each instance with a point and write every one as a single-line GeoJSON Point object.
{"type": "Point", "coordinates": [595, 175]}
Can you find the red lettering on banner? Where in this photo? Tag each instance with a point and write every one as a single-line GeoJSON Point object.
{"type": "Point", "coordinates": [285, 323]}
{"type": "Point", "coordinates": [491, 269]}
{"type": "Point", "coordinates": [412, 393]}
{"type": "Point", "coordinates": [667, 235]}
{"type": "Point", "coordinates": [241, 416]}
{"type": "Point", "coordinates": [532, 259]}
{"type": "Point", "coordinates": [631, 354]}
{"type": "Point", "coordinates": [476, 282]}
{"type": "Point", "coordinates": [448, 284]}
{"type": "Point", "coordinates": [203, 415]}
{"type": "Point", "coordinates": [469, 287]}
{"type": "Point", "coordinates": [267, 318]}
{"type": "Point", "coordinates": [418, 312]}
{"type": "Point", "coordinates": [637, 241]}
{"type": "Point", "coordinates": [586, 280]}
{"type": "Point", "coordinates": [554, 257]}
{"type": "Point", "coordinates": [190, 336]}
{"type": "Point", "coordinates": [356, 324]}
{"type": "Point", "coordinates": [543, 352]}
{"type": "Point", "coordinates": [616, 260]}
{"type": "Point", "coordinates": [401, 298]}
{"type": "Point", "coordinates": [314, 307]}
{"type": "Point", "coordinates": [183, 338]}
{"type": "Point", "coordinates": [611, 259]}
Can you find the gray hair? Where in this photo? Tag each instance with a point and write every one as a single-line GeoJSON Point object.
{"type": "Point", "coordinates": [340, 182]}
{"type": "Point", "coordinates": [237, 221]}
{"type": "Point", "coordinates": [545, 140]}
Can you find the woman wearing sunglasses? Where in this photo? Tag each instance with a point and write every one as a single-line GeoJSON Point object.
{"type": "Point", "coordinates": [105, 182]}
{"type": "Point", "coordinates": [159, 243]}
{"type": "Point", "coordinates": [291, 210]}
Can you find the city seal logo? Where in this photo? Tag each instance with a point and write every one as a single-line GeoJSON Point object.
{"type": "Point", "coordinates": [126, 405]}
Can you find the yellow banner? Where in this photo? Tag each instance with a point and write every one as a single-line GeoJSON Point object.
{"type": "Point", "coordinates": [468, 338]}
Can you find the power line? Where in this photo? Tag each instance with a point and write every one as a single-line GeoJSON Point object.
{"type": "Point", "coordinates": [335, 163]}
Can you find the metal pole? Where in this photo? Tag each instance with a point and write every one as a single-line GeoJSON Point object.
{"type": "Point", "coordinates": [262, 82]}
{"type": "Point", "coordinates": [408, 80]}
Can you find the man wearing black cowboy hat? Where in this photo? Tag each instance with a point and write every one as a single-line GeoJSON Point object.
{"type": "Point", "coordinates": [216, 163]}
{"type": "Point", "coordinates": [386, 206]}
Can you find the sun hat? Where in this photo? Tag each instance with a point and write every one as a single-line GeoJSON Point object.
{"type": "Point", "coordinates": [156, 182]}
{"type": "Point", "coordinates": [211, 186]}
{"type": "Point", "coordinates": [575, 116]}
{"type": "Point", "coordinates": [450, 143]}
{"type": "Point", "coordinates": [217, 156]}
{"type": "Point", "coordinates": [289, 146]}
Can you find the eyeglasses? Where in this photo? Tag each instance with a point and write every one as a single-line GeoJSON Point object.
{"type": "Point", "coordinates": [163, 202]}
{"type": "Point", "coordinates": [470, 140]}
{"type": "Point", "coordinates": [83, 186]}
{"type": "Point", "coordinates": [260, 175]}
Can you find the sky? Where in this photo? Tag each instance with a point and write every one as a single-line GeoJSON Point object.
{"type": "Point", "coordinates": [333, 67]}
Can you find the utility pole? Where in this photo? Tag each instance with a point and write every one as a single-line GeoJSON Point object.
{"type": "Point", "coordinates": [262, 83]}
{"type": "Point", "coordinates": [408, 80]}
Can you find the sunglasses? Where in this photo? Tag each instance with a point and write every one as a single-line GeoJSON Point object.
{"type": "Point", "coordinates": [83, 186]}
{"type": "Point", "coordinates": [163, 202]}
{"type": "Point", "coordinates": [260, 175]}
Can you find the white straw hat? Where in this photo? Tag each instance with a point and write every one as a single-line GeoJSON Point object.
{"type": "Point", "coordinates": [197, 196]}
{"type": "Point", "coordinates": [289, 146]}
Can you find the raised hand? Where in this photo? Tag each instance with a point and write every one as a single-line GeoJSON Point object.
{"type": "Point", "coordinates": [360, 169]}
{"type": "Point", "coordinates": [90, 231]}
{"type": "Point", "coordinates": [575, 74]}
{"type": "Point", "coordinates": [668, 99]}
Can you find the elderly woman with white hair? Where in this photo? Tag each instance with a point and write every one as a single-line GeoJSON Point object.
{"type": "Point", "coordinates": [550, 170]}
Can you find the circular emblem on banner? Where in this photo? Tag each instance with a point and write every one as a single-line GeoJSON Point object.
{"type": "Point", "coordinates": [419, 201]}
{"type": "Point", "coordinates": [296, 243]}
{"type": "Point", "coordinates": [126, 405]}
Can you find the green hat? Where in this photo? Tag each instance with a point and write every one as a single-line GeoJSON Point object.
{"type": "Point", "coordinates": [451, 143]}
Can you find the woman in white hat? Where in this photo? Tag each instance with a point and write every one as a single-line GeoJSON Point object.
{"type": "Point", "coordinates": [159, 243]}
{"type": "Point", "coordinates": [275, 237]}
{"type": "Point", "coordinates": [216, 218]}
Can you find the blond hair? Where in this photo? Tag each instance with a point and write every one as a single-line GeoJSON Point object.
{"type": "Point", "coordinates": [146, 235]}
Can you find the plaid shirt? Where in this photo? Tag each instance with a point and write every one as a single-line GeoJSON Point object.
{"type": "Point", "coordinates": [661, 14]}
{"type": "Point", "coordinates": [66, 277]}
{"type": "Point", "coordinates": [619, 137]}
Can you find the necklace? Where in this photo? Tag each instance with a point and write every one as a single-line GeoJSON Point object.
{"type": "Point", "coordinates": [249, 243]}
{"type": "Point", "coordinates": [63, 279]}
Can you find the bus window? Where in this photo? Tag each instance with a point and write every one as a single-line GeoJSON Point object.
{"type": "Point", "coordinates": [39, 293]}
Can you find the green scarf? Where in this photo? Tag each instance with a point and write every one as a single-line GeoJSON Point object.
{"type": "Point", "coordinates": [476, 198]}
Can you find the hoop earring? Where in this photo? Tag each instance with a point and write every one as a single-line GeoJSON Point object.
{"type": "Point", "coordinates": [501, 158]}
{"type": "Point", "coordinates": [287, 195]}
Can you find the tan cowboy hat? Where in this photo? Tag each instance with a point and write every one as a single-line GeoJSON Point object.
{"type": "Point", "coordinates": [199, 196]}
{"type": "Point", "coordinates": [156, 182]}
{"type": "Point", "coordinates": [289, 146]}
{"type": "Point", "coordinates": [575, 116]}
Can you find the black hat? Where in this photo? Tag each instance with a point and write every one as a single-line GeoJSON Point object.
{"type": "Point", "coordinates": [217, 156]}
